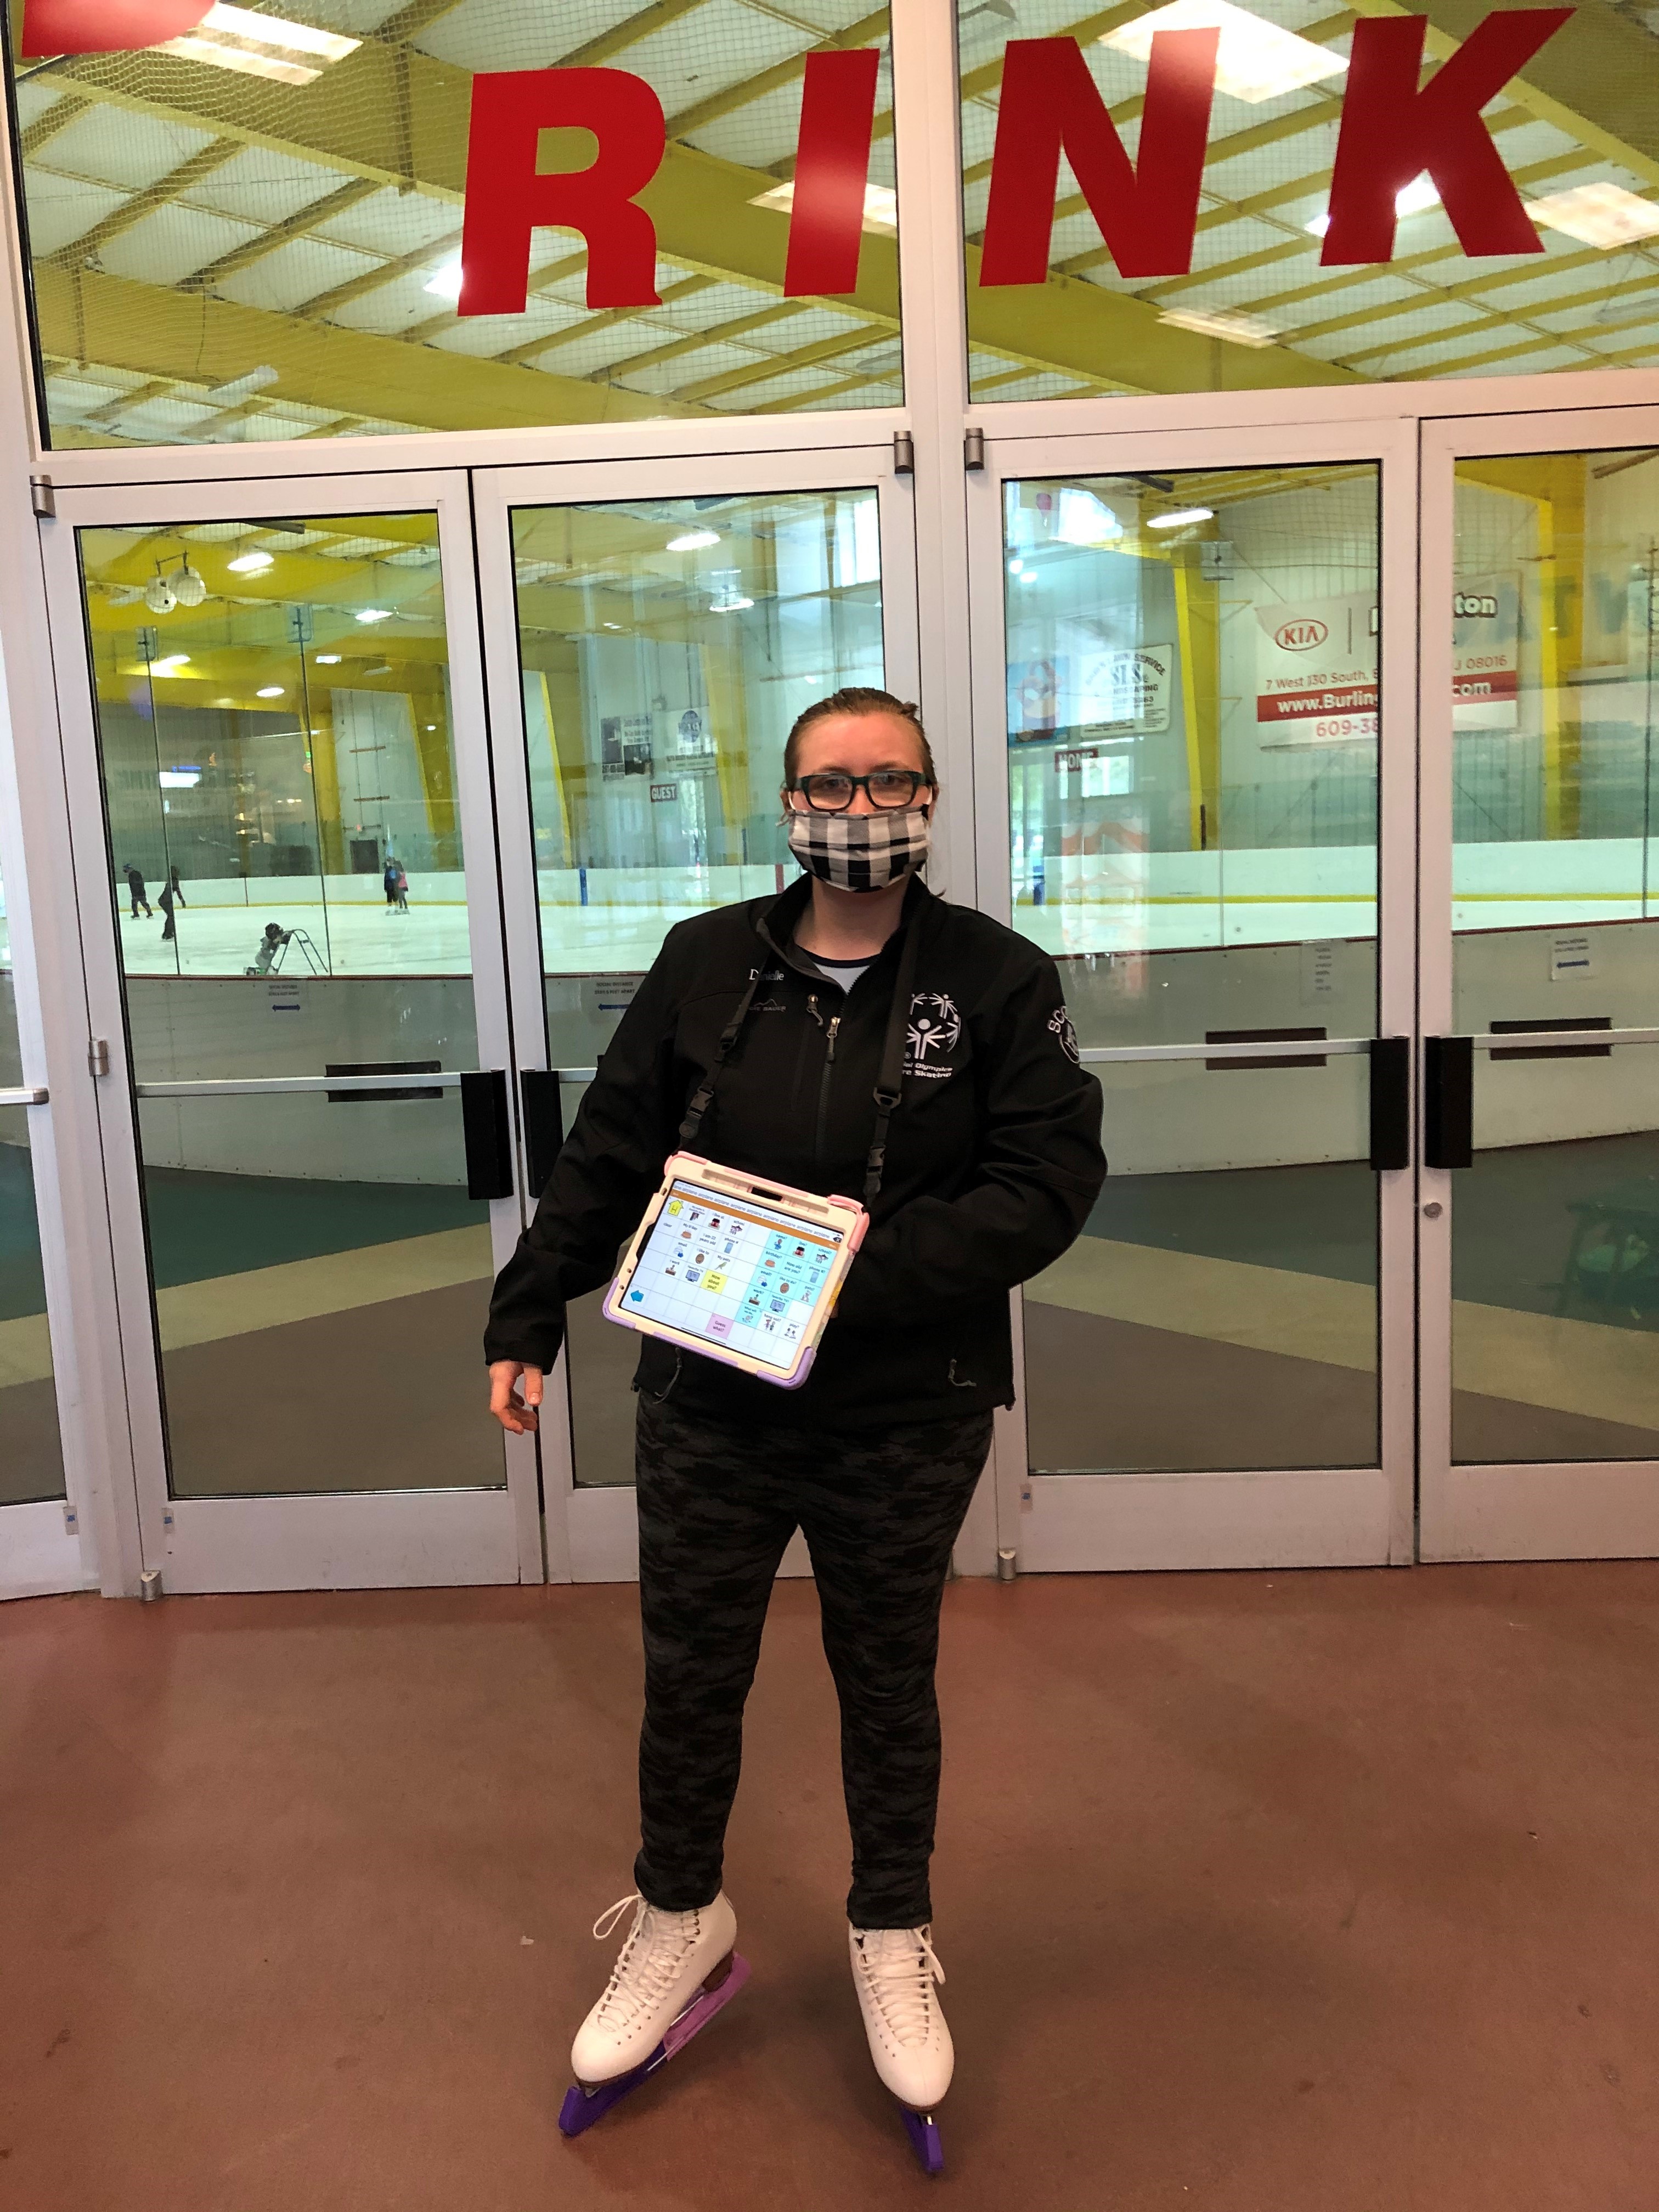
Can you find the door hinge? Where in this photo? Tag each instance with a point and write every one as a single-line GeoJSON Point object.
{"type": "Point", "coordinates": [98, 1055]}
{"type": "Point", "coordinates": [904, 453]}
{"type": "Point", "coordinates": [43, 499]}
{"type": "Point", "coordinates": [973, 450]}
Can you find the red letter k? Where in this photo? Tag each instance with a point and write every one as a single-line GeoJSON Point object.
{"type": "Point", "coordinates": [1392, 132]}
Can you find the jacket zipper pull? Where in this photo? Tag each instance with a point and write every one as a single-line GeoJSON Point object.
{"type": "Point", "coordinates": [812, 1007]}
{"type": "Point", "coordinates": [834, 1024]}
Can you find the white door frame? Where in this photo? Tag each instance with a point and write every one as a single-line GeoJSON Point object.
{"type": "Point", "coordinates": [350, 1540]}
{"type": "Point", "coordinates": [1341, 1517]}
{"type": "Point", "coordinates": [1542, 1509]}
{"type": "Point", "coordinates": [591, 1532]}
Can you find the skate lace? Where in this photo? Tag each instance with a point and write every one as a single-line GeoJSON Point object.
{"type": "Point", "coordinates": [900, 1967]}
{"type": "Point", "coordinates": [649, 1963]}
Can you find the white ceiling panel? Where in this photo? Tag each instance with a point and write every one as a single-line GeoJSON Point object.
{"type": "Point", "coordinates": [583, 356]}
{"type": "Point", "coordinates": [716, 46]}
{"type": "Point", "coordinates": [760, 135]}
{"type": "Point", "coordinates": [257, 186]}
{"type": "Point", "coordinates": [294, 273]}
{"type": "Point", "coordinates": [172, 243]}
{"type": "Point", "coordinates": [61, 208]}
{"type": "Point", "coordinates": [115, 147]}
{"type": "Point", "coordinates": [668, 377]}
{"type": "Point", "coordinates": [484, 335]}
{"type": "Point", "coordinates": [513, 35]}
{"type": "Point", "coordinates": [394, 223]}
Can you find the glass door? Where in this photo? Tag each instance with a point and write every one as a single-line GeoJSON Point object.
{"type": "Point", "coordinates": [651, 631]}
{"type": "Point", "coordinates": [1193, 678]}
{"type": "Point", "coordinates": [278, 774]}
{"type": "Point", "coordinates": [1540, 1221]}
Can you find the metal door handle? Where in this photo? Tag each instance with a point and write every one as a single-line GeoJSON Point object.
{"type": "Point", "coordinates": [488, 1131]}
{"type": "Point", "coordinates": [544, 1125]}
{"type": "Point", "coordinates": [1448, 1101]}
{"type": "Point", "coordinates": [1391, 1101]}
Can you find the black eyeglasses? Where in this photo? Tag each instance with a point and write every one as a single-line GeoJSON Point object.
{"type": "Point", "coordinates": [832, 790]}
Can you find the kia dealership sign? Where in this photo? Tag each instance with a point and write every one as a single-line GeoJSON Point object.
{"type": "Point", "coordinates": [1396, 126]}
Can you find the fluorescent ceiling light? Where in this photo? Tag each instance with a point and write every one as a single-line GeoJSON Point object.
{"type": "Point", "coordinates": [373, 614]}
{"type": "Point", "coordinates": [260, 45]}
{"type": "Point", "coordinates": [178, 779]}
{"type": "Point", "coordinates": [693, 541]}
{"type": "Point", "coordinates": [169, 664]}
{"type": "Point", "coordinates": [1229, 322]}
{"type": "Point", "coordinates": [1597, 215]}
{"type": "Point", "coordinates": [1016, 567]}
{"type": "Point", "coordinates": [1179, 517]}
{"type": "Point", "coordinates": [732, 606]}
{"type": "Point", "coordinates": [1255, 61]}
{"type": "Point", "coordinates": [880, 205]}
{"type": "Point", "coordinates": [268, 691]}
{"type": "Point", "coordinates": [1417, 195]}
{"type": "Point", "coordinates": [249, 564]}
{"type": "Point", "coordinates": [328, 661]}
{"type": "Point", "coordinates": [445, 283]}
{"type": "Point", "coordinates": [243, 387]}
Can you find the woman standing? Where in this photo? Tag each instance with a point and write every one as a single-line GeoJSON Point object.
{"type": "Point", "coordinates": [992, 1161]}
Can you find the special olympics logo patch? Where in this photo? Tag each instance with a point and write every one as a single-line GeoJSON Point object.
{"type": "Point", "coordinates": [935, 1027]}
{"type": "Point", "coordinates": [1061, 1023]}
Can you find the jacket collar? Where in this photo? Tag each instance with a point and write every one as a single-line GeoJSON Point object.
{"type": "Point", "coordinates": [775, 924]}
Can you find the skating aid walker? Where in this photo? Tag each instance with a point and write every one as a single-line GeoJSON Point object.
{"type": "Point", "coordinates": [584, 2104]}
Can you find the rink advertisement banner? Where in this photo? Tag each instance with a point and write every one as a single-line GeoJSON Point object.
{"type": "Point", "coordinates": [1487, 653]}
{"type": "Point", "coordinates": [1116, 691]}
{"type": "Point", "coordinates": [1316, 671]}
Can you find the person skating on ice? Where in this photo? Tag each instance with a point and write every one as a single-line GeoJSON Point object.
{"type": "Point", "coordinates": [137, 890]}
{"type": "Point", "coordinates": [992, 1164]}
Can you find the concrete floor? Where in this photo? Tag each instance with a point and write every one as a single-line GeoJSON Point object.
{"type": "Point", "coordinates": [1292, 1892]}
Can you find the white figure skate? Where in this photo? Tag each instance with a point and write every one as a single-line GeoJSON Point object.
{"type": "Point", "coordinates": [674, 1972]}
{"type": "Point", "coordinates": [895, 1971]}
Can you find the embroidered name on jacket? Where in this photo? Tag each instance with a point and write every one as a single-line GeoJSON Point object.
{"type": "Point", "coordinates": [934, 1032]}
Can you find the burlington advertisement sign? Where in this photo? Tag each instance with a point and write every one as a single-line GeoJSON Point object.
{"type": "Point", "coordinates": [1396, 125]}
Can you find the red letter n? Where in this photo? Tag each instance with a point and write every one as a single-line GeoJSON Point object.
{"type": "Point", "coordinates": [1147, 210]}
{"type": "Point", "coordinates": [1392, 132]}
{"type": "Point", "coordinates": [832, 166]}
{"type": "Point", "coordinates": [507, 197]}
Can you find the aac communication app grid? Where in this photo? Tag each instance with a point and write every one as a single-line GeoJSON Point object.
{"type": "Point", "coordinates": [741, 1277]}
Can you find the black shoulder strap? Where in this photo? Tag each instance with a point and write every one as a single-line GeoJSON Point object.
{"type": "Point", "coordinates": [890, 1081]}
{"type": "Point", "coordinates": [705, 1091]}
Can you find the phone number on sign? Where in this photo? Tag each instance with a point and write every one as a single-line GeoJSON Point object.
{"type": "Point", "coordinates": [1335, 727]}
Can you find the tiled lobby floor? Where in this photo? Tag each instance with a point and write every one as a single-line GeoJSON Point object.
{"type": "Point", "coordinates": [1328, 1893]}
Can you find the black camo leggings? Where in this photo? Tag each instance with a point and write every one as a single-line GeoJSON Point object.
{"type": "Point", "coordinates": [880, 1512]}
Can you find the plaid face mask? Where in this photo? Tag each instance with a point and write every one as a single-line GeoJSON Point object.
{"type": "Point", "coordinates": [860, 852]}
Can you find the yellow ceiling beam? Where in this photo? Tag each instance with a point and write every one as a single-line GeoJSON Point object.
{"type": "Point", "coordinates": [86, 315]}
{"type": "Point", "coordinates": [300, 225]}
{"type": "Point", "coordinates": [632, 29]}
{"type": "Point", "coordinates": [765, 365]}
{"type": "Point", "coordinates": [719, 104]}
{"type": "Point", "coordinates": [133, 210]}
{"type": "Point", "coordinates": [718, 334]}
{"type": "Point", "coordinates": [57, 117]}
{"type": "Point", "coordinates": [1592, 80]}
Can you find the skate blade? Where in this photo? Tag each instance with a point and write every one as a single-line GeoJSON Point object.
{"type": "Point", "coordinates": [583, 2104]}
{"type": "Point", "coordinates": [923, 2132]}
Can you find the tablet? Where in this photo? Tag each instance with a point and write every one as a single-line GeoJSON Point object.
{"type": "Point", "coordinates": [736, 1269]}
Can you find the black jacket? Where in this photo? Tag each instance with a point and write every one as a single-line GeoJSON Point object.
{"type": "Point", "coordinates": [994, 1156]}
